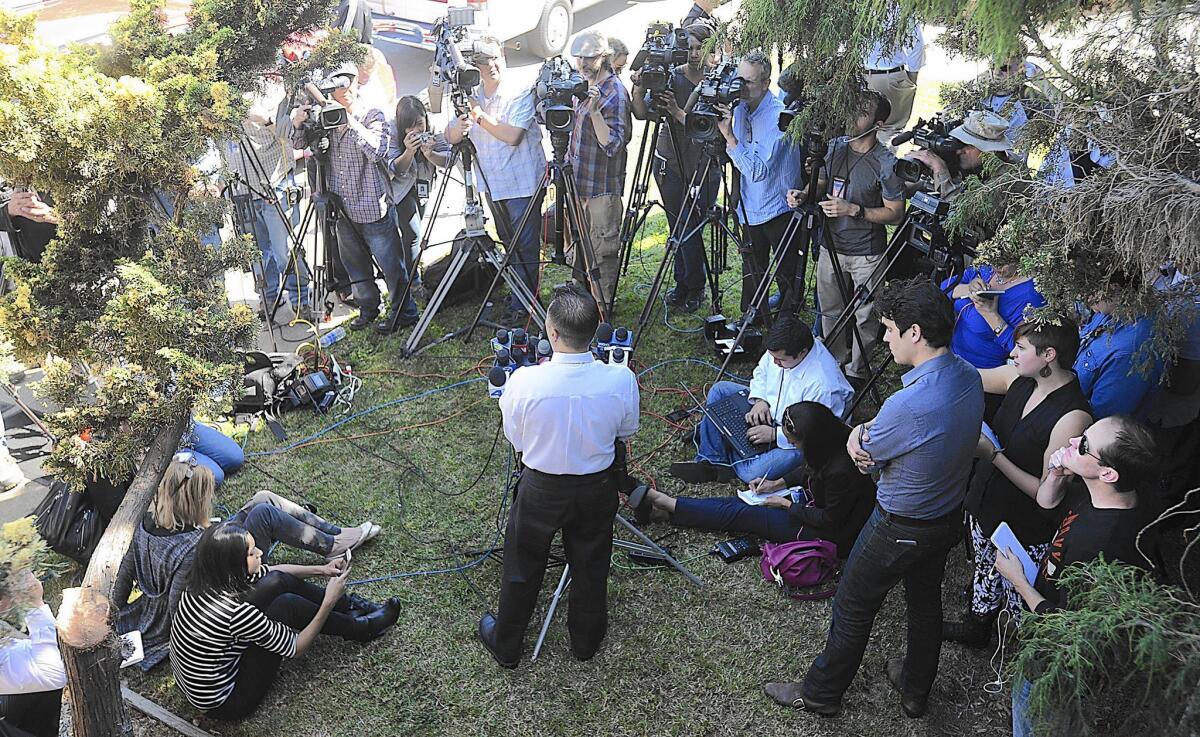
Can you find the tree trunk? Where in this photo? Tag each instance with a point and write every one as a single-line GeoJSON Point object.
{"type": "Point", "coordinates": [86, 638]}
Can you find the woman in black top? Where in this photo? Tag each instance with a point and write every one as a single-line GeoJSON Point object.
{"type": "Point", "coordinates": [842, 497]}
{"type": "Point", "coordinates": [1043, 408]}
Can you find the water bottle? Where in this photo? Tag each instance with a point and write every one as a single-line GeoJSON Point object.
{"type": "Point", "coordinates": [332, 336]}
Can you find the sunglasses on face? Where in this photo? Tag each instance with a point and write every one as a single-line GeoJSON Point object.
{"type": "Point", "coordinates": [1084, 448]}
{"type": "Point", "coordinates": [788, 426]}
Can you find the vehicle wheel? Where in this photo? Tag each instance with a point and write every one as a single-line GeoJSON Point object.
{"type": "Point", "coordinates": [550, 37]}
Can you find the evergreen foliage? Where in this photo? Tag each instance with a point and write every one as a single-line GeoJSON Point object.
{"type": "Point", "coordinates": [1125, 655]}
{"type": "Point", "coordinates": [127, 311]}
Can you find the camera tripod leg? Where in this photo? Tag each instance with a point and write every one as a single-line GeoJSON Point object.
{"type": "Point", "coordinates": [585, 254]}
{"type": "Point", "coordinates": [638, 208]}
{"type": "Point", "coordinates": [563, 582]}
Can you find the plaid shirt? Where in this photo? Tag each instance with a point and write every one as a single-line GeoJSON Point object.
{"type": "Point", "coordinates": [509, 171]}
{"type": "Point", "coordinates": [355, 173]}
{"type": "Point", "coordinates": [600, 169]}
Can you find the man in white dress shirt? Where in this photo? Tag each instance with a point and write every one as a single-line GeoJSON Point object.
{"type": "Point", "coordinates": [565, 417]}
{"type": "Point", "coordinates": [894, 75]}
{"type": "Point", "coordinates": [794, 368]}
{"type": "Point", "coordinates": [32, 675]}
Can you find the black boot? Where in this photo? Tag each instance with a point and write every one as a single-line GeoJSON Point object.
{"type": "Point", "coordinates": [374, 623]}
{"type": "Point", "coordinates": [360, 606]}
{"type": "Point", "coordinates": [973, 631]}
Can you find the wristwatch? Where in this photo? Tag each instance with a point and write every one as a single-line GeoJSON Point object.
{"type": "Point", "coordinates": [1000, 329]}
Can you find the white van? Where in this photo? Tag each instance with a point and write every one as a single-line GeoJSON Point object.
{"type": "Point", "coordinates": [543, 26]}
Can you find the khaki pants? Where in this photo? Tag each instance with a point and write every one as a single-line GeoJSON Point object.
{"type": "Point", "coordinates": [899, 89]}
{"type": "Point", "coordinates": [856, 270]}
{"type": "Point", "coordinates": [602, 215]}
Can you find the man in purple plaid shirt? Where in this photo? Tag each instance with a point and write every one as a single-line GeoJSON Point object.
{"type": "Point", "coordinates": [597, 156]}
{"type": "Point", "coordinates": [358, 156]}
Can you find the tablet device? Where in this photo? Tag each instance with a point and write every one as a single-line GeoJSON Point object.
{"type": "Point", "coordinates": [1003, 538]}
{"type": "Point", "coordinates": [989, 293]}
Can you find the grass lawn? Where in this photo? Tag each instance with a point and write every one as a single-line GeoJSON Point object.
{"type": "Point", "coordinates": [679, 659]}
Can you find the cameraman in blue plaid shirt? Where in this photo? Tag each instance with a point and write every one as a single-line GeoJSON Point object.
{"type": "Point", "coordinates": [596, 154]}
{"type": "Point", "coordinates": [358, 154]}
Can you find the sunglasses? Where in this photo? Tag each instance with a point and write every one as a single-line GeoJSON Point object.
{"type": "Point", "coordinates": [788, 426]}
{"type": "Point", "coordinates": [1083, 448]}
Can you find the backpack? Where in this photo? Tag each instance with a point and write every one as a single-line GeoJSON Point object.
{"type": "Point", "coordinates": [800, 564]}
{"type": "Point", "coordinates": [69, 522]}
{"type": "Point", "coordinates": [473, 280]}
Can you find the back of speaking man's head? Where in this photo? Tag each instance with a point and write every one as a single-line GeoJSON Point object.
{"type": "Point", "coordinates": [572, 319]}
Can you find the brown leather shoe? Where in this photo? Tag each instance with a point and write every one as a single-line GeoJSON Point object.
{"type": "Point", "coordinates": [791, 694]}
{"type": "Point", "coordinates": [913, 706]}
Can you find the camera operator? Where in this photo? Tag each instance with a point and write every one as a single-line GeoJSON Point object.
{"type": "Point", "coordinates": [358, 154]}
{"type": "Point", "coordinates": [255, 166]}
{"type": "Point", "coordinates": [770, 164]}
{"type": "Point", "coordinates": [702, 10]}
{"type": "Point", "coordinates": [597, 155]}
{"type": "Point", "coordinates": [508, 144]}
{"type": "Point", "coordinates": [863, 195]}
{"type": "Point", "coordinates": [673, 176]}
{"type": "Point", "coordinates": [565, 418]}
{"type": "Point", "coordinates": [980, 131]}
{"type": "Point", "coordinates": [27, 219]}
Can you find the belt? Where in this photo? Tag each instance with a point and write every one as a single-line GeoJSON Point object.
{"type": "Point", "coordinates": [567, 478]}
{"type": "Point", "coordinates": [914, 522]}
{"type": "Point", "coordinates": [884, 71]}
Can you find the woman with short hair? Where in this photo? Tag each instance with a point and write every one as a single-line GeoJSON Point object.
{"type": "Point", "coordinates": [1043, 408]}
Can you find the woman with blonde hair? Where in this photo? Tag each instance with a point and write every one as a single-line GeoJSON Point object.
{"type": "Point", "coordinates": [160, 558]}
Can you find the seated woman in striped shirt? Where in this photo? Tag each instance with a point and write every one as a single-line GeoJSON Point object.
{"type": "Point", "coordinates": [238, 619]}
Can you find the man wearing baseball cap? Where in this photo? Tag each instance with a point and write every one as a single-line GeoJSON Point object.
{"type": "Point", "coordinates": [981, 131]}
{"type": "Point", "coordinates": [596, 155]}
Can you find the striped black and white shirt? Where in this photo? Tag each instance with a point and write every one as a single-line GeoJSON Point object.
{"type": "Point", "coordinates": [208, 636]}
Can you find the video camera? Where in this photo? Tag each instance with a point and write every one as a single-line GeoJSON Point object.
{"type": "Point", "coordinates": [665, 48]}
{"type": "Point", "coordinates": [450, 68]}
{"type": "Point", "coordinates": [932, 135]}
{"type": "Point", "coordinates": [558, 86]}
{"type": "Point", "coordinates": [721, 86]}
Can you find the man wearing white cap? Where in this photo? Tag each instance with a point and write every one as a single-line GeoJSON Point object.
{"type": "Point", "coordinates": [596, 155]}
{"type": "Point", "coordinates": [980, 131]}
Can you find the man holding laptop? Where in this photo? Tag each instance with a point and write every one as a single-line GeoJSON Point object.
{"type": "Point", "coordinates": [794, 368]}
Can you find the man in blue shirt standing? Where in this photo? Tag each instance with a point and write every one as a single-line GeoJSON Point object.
{"type": "Point", "coordinates": [921, 444]}
{"type": "Point", "coordinates": [770, 164]}
{"type": "Point", "coordinates": [508, 144]}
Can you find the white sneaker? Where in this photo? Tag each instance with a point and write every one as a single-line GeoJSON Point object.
{"type": "Point", "coordinates": [11, 475]}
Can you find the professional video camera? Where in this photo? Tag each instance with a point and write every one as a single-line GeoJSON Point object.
{"type": "Point", "coordinates": [932, 135]}
{"type": "Point", "coordinates": [721, 86]}
{"type": "Point", "coordinates": [665, 48]}
{"type": "Point", "coordinates": [557, 87]}
{"type": "Point", "coordinates": [450, 68]}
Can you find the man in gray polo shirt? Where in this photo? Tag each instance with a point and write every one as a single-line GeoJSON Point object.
{"type": "Point", "coordinates": [863, 194]}
{"type": "Point", "coordinates": [921, 444]}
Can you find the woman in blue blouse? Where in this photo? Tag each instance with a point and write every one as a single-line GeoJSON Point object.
{"type": "Point", "coordinates": [983, 326]}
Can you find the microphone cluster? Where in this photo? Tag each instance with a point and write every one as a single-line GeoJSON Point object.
{"type": "Point", "coordinates": [514, 349]}
{"type": "Point", "coordinates": [613, 345]}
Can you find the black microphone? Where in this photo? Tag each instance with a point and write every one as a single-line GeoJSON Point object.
{"type": "Point", "coordinates": [519, 337]}
{"type": "Point", "coordinates": [904, 137]}
{"type": "Point", "coordinates": [497, 377]}
{"type": "Point", "coordinates": [544, 350]}
{"type": "Point", "coordinates": [621, 335]}
{"type": "Point", "coordinates": [503, 357]}
{"type": "Point", "coordinates": [502, 336]}
{"type": "Point", "coordinates": [604, 333]}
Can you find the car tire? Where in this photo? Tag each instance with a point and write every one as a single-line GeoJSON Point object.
{"type": "Point", "coordinates": [553, 29]}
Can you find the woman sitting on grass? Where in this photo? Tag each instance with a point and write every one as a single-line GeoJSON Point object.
{"type": "Point", "coordinates": [841, 496]}
{"type": "Point", "coordinates": [160, 558]}
{"type": "Point", "coordinates": [238, 619]}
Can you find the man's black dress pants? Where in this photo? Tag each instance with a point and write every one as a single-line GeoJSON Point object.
{"type": "Point", "coordinates": [583, 508]}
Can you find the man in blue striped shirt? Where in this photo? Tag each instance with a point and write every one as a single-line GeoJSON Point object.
{"type": "Point", "coordinates": [597, 156]}
{"type": "Point", "coordinates": [770, 164]}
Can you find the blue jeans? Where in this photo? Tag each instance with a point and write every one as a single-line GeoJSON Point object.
{"type": "Point", "coordinates": [731, 514]}
{"type": "Point", "coordinates": [381, 240]}
{"type": "Point", "coordinates": [1020, 705]}
{"type": "Point", "coordinates": [271, 233]}
{"type": "Point", "coordinates": [214, 450]}
{"type": "Point", "coordinates": [271, 518]}
{"type": "Point", "coordinates": [527, 259]}
{"type": "Point", "coordinates": [407, 213]}
{"type": "Point", "coordinates": [714, 448]}
{"type": "Point", "coordinates": [887, 552]}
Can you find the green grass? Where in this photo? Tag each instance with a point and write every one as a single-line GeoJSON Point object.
{"type": "Point", "coordinates": [678, 660]}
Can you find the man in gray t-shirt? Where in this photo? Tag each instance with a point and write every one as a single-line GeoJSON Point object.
{"type": "Point", "coordinates": [862, 194]}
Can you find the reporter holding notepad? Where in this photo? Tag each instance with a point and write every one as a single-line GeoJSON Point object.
{"type": "Point", "coordinates": [1043, 407]}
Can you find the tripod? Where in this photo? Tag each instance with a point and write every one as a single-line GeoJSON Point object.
{"type": "Point", "coordinates": [560, 174]}
{"type": "Point", "coordinates": [921, 230]}
{"type": "Point", "coordinates": [714, 216]}
{"type": "Point", "coordinates": [799, 233]}
{"type": "Point", "coordinates": [477, 245]}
